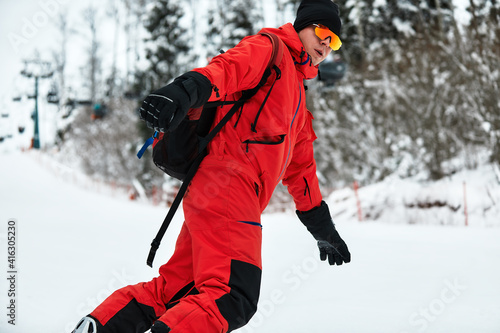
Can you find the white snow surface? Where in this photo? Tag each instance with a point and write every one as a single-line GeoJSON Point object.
{"type": "Point", "coordinates": [75, 246]}
{"type": "Point", "coordinates": [469, 197]}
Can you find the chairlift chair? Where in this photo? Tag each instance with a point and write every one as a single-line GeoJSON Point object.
{"type": "Point", "coordinates": [52, 97]}
{"type": "Point", "coordinates": [332, 72]}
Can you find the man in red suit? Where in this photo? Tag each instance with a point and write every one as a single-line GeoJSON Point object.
{"type": "Point", "coordinates": [212, 281]}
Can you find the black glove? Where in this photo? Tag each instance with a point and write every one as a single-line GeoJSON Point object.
{"type": "Point", "coordinates": [319, 223]}
{"type": "Point", "coordinates": [164, 109]}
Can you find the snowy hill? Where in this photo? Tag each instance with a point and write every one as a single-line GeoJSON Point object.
{"type": "Point", "coordinates": [469, 197]}
{"type": "Point", "coordinates": [76, 246]}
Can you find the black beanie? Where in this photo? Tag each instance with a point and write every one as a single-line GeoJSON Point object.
{"type": "Point", "coordinates": [318, 12]}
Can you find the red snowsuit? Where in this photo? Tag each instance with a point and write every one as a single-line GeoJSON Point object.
{"type": "Point", "coordinates": [212, 281]}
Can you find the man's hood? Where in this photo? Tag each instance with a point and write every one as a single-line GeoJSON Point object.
{"type": "Point", "coordinates": [302, 60]}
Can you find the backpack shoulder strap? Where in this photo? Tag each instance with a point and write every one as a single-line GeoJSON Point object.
{"type": "Point", "coordinates": [277, 54]}
{"type": "Point", "coordinates": [274, 61]}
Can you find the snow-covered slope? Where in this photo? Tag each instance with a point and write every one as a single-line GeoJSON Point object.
{"type": "Point", "coordinates": [469, 197]}
{"type": "Point", "coordinates": [76, 246]}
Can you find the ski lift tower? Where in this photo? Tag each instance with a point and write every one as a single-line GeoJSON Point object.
{"type": "Point", "coordinates": [37, 69]}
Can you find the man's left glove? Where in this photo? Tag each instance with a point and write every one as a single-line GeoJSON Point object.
{"type": "Point", "coordinates": [319, 223]}
{"type": "Point", "coordinates": [164, 109]}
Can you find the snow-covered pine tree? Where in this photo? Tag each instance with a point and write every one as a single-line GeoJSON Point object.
{"type": "Point", "coordinates": [229, 21]}
{"type": "Point", "coordinates": [393, 108]}
{"type": "Point", "coordinates": [60, 55]}
{"type": "Point", "coordinates": [168, 42]}
{"type": "Point", "coordinates": [481, 48]}
{"type": "Point", "coordinates": [94, 62]}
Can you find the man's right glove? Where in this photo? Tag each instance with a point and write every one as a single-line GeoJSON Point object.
{"type": "Point", "coordinates": [164, 109]}
{"type": "Point", "coordinates": [319, 223]}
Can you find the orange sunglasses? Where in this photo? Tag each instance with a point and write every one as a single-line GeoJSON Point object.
{"type": "Point", "coordinates": [323, 33]}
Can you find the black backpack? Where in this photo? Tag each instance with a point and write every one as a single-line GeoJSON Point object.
{"type": "Point", "coordinates": [180, 152]}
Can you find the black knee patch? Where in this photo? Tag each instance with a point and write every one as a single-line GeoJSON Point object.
{"type": "Point", "coordinates": [240, 304]}
{"type": "Point", "coordinates": [133, 318]}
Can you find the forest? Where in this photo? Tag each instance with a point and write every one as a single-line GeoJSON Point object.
{"type": "Point", "coordinates": [419, 96]}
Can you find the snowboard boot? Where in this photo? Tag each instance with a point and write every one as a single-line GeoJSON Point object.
{"type": "Point", "coordinates": [160, 327]}
{"type": "Point", "coordinates": [86, 325]}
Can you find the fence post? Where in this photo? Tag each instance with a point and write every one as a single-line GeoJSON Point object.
{"type": "Point", "coordinates": [154, 195]}
{"type": "Point", "coordinates": [358, 202]}
{"type": "Point", "coordinates": [131, 192]}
